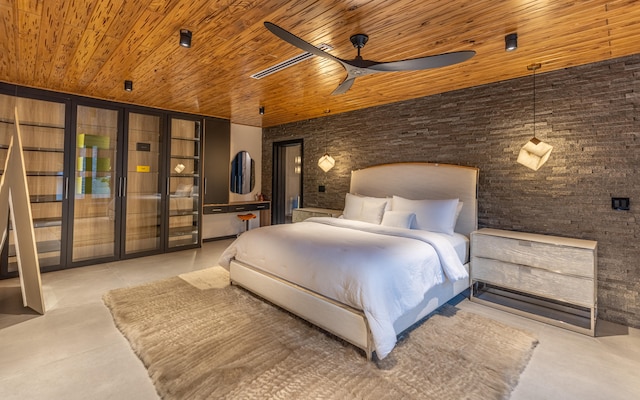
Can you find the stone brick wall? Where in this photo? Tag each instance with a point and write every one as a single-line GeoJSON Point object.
{"type": "Point", "coordinates": [589, 114]}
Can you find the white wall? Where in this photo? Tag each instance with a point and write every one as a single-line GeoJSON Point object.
{"type": "Point", "coordinates": [247, 138]}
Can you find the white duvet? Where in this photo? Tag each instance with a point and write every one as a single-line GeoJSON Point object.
{"type": "Point", "coordinates": [383, 271]}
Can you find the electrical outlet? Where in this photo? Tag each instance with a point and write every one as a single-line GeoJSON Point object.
{"type": "Point", "coordinates": [620, 203]}
{"type": "Point", "coordinates": [321, 188]}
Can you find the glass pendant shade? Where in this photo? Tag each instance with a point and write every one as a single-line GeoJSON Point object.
{"type": "Point", "coordinates": [326, 162]}
{"type": "Point", "coordinates": [534, 154]}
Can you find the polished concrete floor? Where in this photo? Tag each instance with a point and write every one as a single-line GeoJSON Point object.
{"type": "Point", "coordinates": [75, 352]}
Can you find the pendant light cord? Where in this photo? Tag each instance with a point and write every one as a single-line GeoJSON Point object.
{"type": "Point", "coordinates": [534, 67]}
{"type": "Point", "coordinates": [534, 102]}
{"type": "Point", "coordinates": [325, 143]}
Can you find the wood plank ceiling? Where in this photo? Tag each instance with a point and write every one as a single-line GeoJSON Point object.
{"type": "Point", "coordinates": [90, 47]}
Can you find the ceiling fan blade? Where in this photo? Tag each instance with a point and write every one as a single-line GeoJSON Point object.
{"type": "Point", "coordinates": [344, 86]}
{"type": "Point", "coordinates": [416, 64]}
{"type": "Point", "coordinates": [296, 41]}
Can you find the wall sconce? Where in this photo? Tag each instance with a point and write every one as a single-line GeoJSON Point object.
{"type": "Point", "coordinates": [535, 152]}
{"type": "Point", "coordinates": [511, 42]}
{"type": "Point", "coordinates": [261, 110]}
{"type": "Point", "coordinates": [128, 86]}
{"type": "Point", "coordinates": [185, 38]}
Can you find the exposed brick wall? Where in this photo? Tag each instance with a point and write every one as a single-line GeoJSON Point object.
{"type": "Point", "coordinates": [589, 114]}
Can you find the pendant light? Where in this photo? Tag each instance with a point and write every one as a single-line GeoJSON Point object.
{"type": "Point", "coordinates": [326, 162]}
{"type": "Point", "coordinates": [535, 152]}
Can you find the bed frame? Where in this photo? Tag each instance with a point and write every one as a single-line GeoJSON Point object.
{"type": "Point", "coordinates": [409, 180]}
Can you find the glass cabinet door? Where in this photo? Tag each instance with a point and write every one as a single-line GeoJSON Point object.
{"type": "Point", "coordinates": [143, 197]}
{"type": "Point", "coordinates": [183, 184]}
{"type": "Point", "coordinates": [95, 197]}
{"type": "Point", "coordinates": [42, 125]}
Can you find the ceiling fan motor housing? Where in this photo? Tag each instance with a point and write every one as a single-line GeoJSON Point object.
{"type": "Point", "coordinates": [359, 40]}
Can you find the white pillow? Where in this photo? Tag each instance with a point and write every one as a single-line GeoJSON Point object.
{"type": "Point", "coordinates": [431, 215]}
{"type": "Point", "coordinates": [352, 207]}
{"type": "Point", "coordinates": [459, 210]}
{"type": "Point", "coordinates": [363, 208]}
{"type": "Point", "coordinates": [398, 219]}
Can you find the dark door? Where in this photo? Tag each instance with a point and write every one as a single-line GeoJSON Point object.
{"type": "Point", "coordinates": [287, 180]}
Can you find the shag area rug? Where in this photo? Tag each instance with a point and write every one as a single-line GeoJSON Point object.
{"type": "Point", "coordinates": [203, 339]}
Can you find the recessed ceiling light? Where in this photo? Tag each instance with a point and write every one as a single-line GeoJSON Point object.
{"type": "Point", "coordinates": [511, 42]}
{"type": "Point", "coordinates": [185, 38]}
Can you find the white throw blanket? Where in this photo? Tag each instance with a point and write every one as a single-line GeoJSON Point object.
{"type": "Point", "coordinates": [383, 271]}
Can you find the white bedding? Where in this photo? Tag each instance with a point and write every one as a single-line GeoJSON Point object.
{"type": "Point", "coordinates": [383, 271]}
{"type": "Point", "coordinates": [461, 244]}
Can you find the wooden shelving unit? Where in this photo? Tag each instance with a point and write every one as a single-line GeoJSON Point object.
{"type": "Point", "coordinates": [106, 181]}
{"type": "Point", "coordinates": [184, 182]}
{"type": "Point", "coordinates": [43, 130]}
{"type": "Point", "coordinates": [143, 225]}
{"type": "Point", "coordinates": [94, 229]}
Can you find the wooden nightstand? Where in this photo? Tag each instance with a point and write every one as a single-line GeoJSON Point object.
{"type": "Point", "coordinates": [548, 278]}
{"type": "Point", "coordinates": [300, 214]}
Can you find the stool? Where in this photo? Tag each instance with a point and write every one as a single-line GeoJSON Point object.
{"type": "Point", "coordinates": [246, 218]}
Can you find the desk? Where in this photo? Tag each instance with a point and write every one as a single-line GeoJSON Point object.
{"type": "Point", "coordinates": [242, 206]}
{"type": "Point", "coordinates": [219, 220]}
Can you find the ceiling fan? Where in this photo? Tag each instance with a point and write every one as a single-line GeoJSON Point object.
{"type": "Point", "coordinates": [360, 67]}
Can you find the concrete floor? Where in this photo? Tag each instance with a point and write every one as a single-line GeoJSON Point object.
{"type": "Point", "coordinates": [74, 351]}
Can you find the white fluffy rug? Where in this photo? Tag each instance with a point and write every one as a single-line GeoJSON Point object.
{"type": "Point", "coordinates": [203, 339]}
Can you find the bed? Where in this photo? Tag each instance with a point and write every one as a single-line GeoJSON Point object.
{"type": "Point", "coordinates": [399, 252]}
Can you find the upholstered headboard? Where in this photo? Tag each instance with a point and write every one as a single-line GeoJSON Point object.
{"type": "Point", "coordinates": [419, 181]}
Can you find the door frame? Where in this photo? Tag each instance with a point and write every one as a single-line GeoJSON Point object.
{"type": "Point", "coordinates": [279, 177]}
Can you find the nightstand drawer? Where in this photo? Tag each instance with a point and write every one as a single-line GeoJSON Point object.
{"type": "Point", "coordinates": [553, 257]}
{"type": "Point", "coordinates": [540, 282]}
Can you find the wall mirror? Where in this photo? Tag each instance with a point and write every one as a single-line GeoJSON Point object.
{"type": "Point", "coordinates": [242, 173]}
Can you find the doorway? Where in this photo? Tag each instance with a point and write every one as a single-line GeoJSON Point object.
{"type": "Point", "coordinates": [287, 180]}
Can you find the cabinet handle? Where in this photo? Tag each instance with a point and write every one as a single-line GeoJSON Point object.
{"type": "Point", "coordinates": [124, 186]}
{"type": "Point", "coordinates": [66, 188]}
{"type": "Point", "coordinates": [239, 208]}
{"type": "Point", "coordinates": [120, 187]}
{"type": "Point", "coordinates": [205, 186]}
{"type": "Point", "coordinates": [167, 188]}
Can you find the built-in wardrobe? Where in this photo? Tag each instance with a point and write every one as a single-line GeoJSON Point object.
{"type": "Point", "coordinates": [107, 181]}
